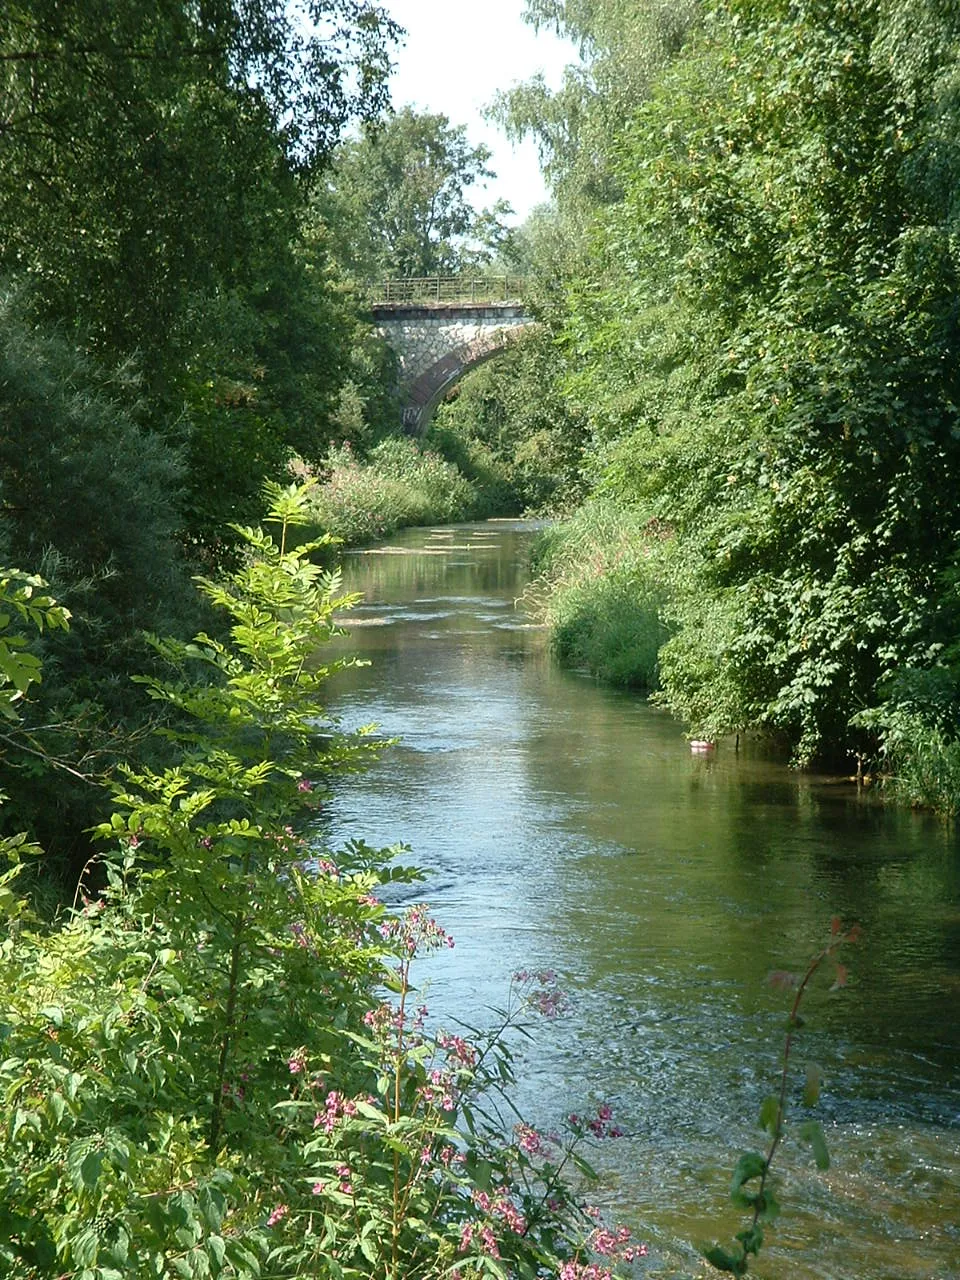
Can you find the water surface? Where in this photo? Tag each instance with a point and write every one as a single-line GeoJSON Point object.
{"type": "Point", "coordinates": [566, 826]}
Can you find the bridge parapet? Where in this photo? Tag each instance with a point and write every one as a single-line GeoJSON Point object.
{"type": "Point", "coordinates": [444, 290]}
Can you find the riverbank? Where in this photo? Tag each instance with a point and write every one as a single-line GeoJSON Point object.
{"type": "Point", "coordinates": [622, 602]}
{"type": "Point", "coordinates": [397, 484]}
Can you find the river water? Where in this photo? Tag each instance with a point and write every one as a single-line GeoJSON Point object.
{"type": "Point", "coordinates": [566, 826]}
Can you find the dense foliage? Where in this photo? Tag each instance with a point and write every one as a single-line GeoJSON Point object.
{"type": "Point", "coordinates": [396, 200]}
{"type": "Point", "coordinates": [171, 329]}
{"type": "Point", "coordinates": [764, 338]}
{"type": "Point", "coordinates": [397, 484]}
{"type": "Point", "coordinates": [201, 1075]}
{"type": "Point", "coordinates": [508, 426]}
{"type": "Point", "coordinates": [155, 159]}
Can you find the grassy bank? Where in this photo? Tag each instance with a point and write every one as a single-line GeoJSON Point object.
{"type": "Point", "coordinates": [599, 591]}
{"type": "Point", "coordinates": [610, 588]}
{"type": "Point", "coordinates": [397, 485]}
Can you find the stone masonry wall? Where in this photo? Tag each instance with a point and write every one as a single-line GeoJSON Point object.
{"type": "Point", "coordinates": [422, 336]}
{"type": "Point", "coordinates": [435, 345]}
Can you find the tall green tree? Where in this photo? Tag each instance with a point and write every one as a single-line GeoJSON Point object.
{"type": "Point", "coordinates": [147, 146]}
{"type": "Point", "coordinates": [769, 343]}
{"type": "Point", "coordinates": [396, 200]}
{"type": "Point", "coordinates": [154, 163]}
{"type": "Point", "coordinates": [176, 332]}
{"type": "Point", "coordinates": [622, 45]}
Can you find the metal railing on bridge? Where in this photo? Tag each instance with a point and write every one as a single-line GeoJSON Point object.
{"type": "Point", "coordinates": [422, 290]}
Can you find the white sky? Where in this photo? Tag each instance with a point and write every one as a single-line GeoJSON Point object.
{"type": "Point", "coordinates": [457, 54]}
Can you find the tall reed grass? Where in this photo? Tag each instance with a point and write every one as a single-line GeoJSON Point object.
{"type": "Point", "coordinates": [397, 485]}
{"type": "Point", "coordinates": [921, 765]}
{"type": "Point", "coordinates": [600, 591]}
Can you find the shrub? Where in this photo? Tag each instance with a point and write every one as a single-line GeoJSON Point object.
{"type": "Point", "coordinates": [201, 1076]}
{"type": "Point", "coordinates": [399, 485]}
{"type": "Point", "coordinates": [601, 593]}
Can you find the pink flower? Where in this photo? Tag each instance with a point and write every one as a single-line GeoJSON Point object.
{"type": "Point", "coordinates": [528, 1140]}
{"type": "Point", "coordinates": [279, 1212]}
{"type": "Point", "coordinates": [489, 1242]}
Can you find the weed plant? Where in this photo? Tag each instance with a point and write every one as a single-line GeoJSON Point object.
{"type": "Point", "coordinates": [920, 764]}
{"type": "Point", "coordinates": [396, 486]}
{"type": "Point", "coordinates": [600, 590]}
{"type": "Point", "coordinates": [200, 1074]}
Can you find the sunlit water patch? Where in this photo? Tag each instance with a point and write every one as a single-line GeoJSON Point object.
{"type": "Point", "coordinates": [565, 826]}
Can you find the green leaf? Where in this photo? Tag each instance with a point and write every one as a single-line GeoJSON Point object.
{"type": "Point", "coordinates": [90, 1169]}
{"type": "Point", "coordinates": [217, 1249]}
{"type": "Point", "coordinates": [811, 1132]}
{"type": "Point", "coordinates": [811, 1089]}
{"type": "Point", "coordinates": [751, 1238]}
{"type": "Point", "coordinates": [750, 1165]}
{"type": "Point", "coordinates": [585, 1167]}
{"type": "Point", "coordinates": [769, 1114]}
{"type": "Point", "coordinates": [57, 1106]}
{"type": "Point", "coordinates": [84, 1247]}
{"type": "Point", "coordinates": [723, 1261]}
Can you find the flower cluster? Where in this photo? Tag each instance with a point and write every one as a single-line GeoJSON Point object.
{"type": "Point", "coordinates": [530, 1141]}
{"type": "Point", "coordinates": [336, 1108]}
{"type": "Point", "coordinates": [502, 1207]}
{"type": "Point", "coordinates": [279, 1213]}
{"type": "Point", "coordinates": [440, 1090]}
{"type": "Point", "coordinates": [614, 1243]}
{"type": "Point", "coordinates": [460, 1053]}
{"type": "Point", "coordinates": [539, 991]}
{"type": "Point", "coordinates": [599, 1125]}
{"type": "Point", "coordinates": [416, 930]}
{"type": "Point", "coordinates": [481, 1234]}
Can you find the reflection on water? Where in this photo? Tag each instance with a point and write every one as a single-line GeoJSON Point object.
{"type": "Point", "coordinates": [567, 826]}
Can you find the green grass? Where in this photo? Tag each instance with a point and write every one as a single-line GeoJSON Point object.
{"type": "Point", "coordinates": [922, 766]}
{"type": "Point", "coordinates": [599, 592]}
{"type": "Point", "coordinates": [398, 485]}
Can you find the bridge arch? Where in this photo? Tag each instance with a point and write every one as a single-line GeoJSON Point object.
{"type": "Point", "coordinates": [422, 396]}
{"type": "Point", "coordinates": [437, 343]}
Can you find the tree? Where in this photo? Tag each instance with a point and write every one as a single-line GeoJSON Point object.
{"type": "Point", "coordinates": [88, 498]}
{"type": "Point", "coordinates": [154, 161]}
{"type": "Point", "coordinates": [768, 343]}
{"type": "Point", "coordinates": [395, 200]}
{"type": "Point", "coordinates": [146, 146]}
{"type": "Point", "coordinates": [622, 48]}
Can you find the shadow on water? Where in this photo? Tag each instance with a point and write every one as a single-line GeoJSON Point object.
{"type": "Point", "coordinates": [567, 826]}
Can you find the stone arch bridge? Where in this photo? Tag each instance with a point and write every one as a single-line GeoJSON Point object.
{"type": "Point", "coordinates": [440, 327]}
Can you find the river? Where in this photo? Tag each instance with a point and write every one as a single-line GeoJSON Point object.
{"type": "Point", "coordinates": [566, 826]}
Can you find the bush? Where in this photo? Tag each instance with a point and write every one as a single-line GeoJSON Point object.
{"type": "Point", "coordinates": [508, 425]}
{"type": "Point", "coordinates": [200, 1072]}
{"type": "Point", "coordinates": [601, 593]}
{"type": "Point", "coordinates": [397, 486]}
{"type": "Point", "coordinates": [90, 500]}
{"type": "Point", "coordinates": [492, 478]}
